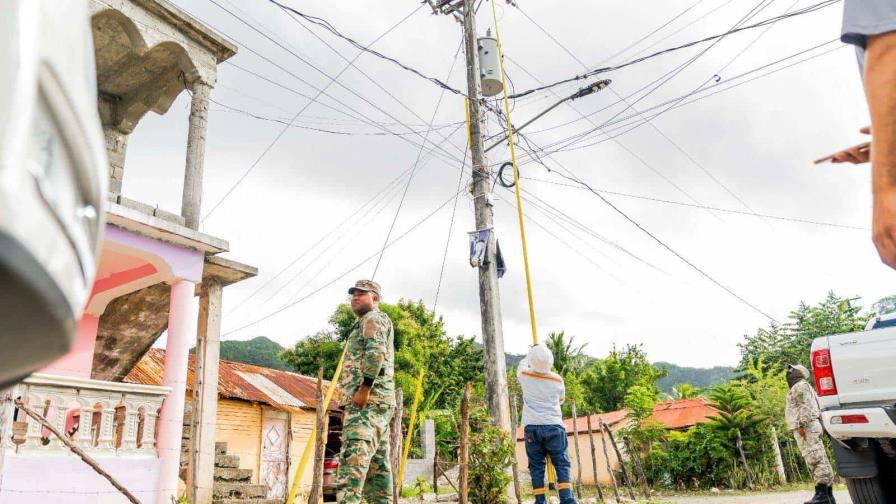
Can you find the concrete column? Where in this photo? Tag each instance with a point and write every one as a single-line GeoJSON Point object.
{"type": "Point", "coordinates": [180, 331]}
{"type": "Point", "coordinates": [428, 440]}
{"type": "Point", "coordinates": [116, 148]}
{"type": "Point", "coordinates": [192, 197]}
{"type": "Point", "coordinates": [205, 394]}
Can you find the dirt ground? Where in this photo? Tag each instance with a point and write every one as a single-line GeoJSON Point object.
{"type": "Point", "coordinates": [798, 497]}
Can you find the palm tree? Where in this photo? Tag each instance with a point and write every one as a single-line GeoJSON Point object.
{"type": "Point", "coordinates": [685, 391]}
{"type": "Point", "coordinates": [736, 414]}
{"type": "Point", "coordinates": [567, 357]}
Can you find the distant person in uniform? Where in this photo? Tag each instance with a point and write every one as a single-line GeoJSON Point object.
{"type": "Point", "coordinates": [802, 416]}
{"type": "Point", "coordinates": [543, 392]}
{"type": "Point", "coordinates": [870, 25]}
{"type": "Point", "coordinates": [367, 396]}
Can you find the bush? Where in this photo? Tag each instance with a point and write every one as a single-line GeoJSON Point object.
{"type": "Point", "coordinates": [491, 453]}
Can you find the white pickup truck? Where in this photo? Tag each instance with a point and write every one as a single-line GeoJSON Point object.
{"type": "Point", "coordinates": [855, 378]}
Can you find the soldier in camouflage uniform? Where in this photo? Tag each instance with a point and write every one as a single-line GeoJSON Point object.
{"type": "Point", "coordinates": [802, 415]}
{"type": "Point", "coordinates": [367, 396]}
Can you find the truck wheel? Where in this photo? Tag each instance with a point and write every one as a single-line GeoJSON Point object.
{"type": "Point", "coordinates": [867, 490]}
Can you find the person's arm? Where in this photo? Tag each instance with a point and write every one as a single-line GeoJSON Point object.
{"type": "Point", "coordinates": [375, 334]}
{"type": "Point", "coordinates": [880, 90]}
{"type": "Point", "coordinates": [802, 396]}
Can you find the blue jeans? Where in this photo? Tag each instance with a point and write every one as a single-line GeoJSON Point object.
{"type": "Point", "coordinates": [548, 441]}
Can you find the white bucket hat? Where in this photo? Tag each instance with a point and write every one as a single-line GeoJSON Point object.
{"type": "Point", "coordinates": [540, 359]}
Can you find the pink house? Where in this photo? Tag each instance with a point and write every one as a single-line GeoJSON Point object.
{"type": "Point", "coordinates": [153, 266]}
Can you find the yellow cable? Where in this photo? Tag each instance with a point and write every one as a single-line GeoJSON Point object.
{"type": "Point", "coordinates": [516, 180]}
{"type": "Point", "coordinates": [309, 445]}
{"type": "Point", "coordinates": [407, 438]}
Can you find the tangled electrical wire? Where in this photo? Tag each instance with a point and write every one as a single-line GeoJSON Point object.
{"type": "Point", "coordinates": [323, 23]}
{"type": "Point", "coordinates": [591, 73]}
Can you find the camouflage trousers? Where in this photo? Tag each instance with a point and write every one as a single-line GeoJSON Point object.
{"type": "Point", "coordinates": [364, 467]}
{"type": "Point", "coordinates": [812, 449]}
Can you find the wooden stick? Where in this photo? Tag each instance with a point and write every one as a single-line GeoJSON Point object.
{"type": "Point", "coordinates": [637, 460]}
{"type": "Point", "coordinates": [464, 454]}
{"type": "Point", "coordinates": [514, 419]}
{"type": "Point", "coordinates": [320, 441]}
{"type": "Point", "coordinates": [625, 473]}
{"type": "Point", "coordinates": [603, 442]}
{"type": "Point", "coordinates": [77, 451]}
{"type": "Point", "coordinates": [395, 441]}
{"type": "Point", "coordinates": [435, 474]}
{"type": "Point", "coordinates": [743, 459]}
{"type": "Point", "coordinates": [445, 475]}
{"type": "Point", "coordinates": [600, 493]}
{"type": "Point", "coordinates": [575, 436]}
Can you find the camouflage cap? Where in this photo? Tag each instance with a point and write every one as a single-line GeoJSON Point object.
{"type": "Point", "coordinates": [366, 286]}
{"type": "Point", "coordinates": [801, 369]}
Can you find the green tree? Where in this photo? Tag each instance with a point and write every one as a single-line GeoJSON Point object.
{"type": "Point", "coordinates": [780, 345]}
{"type": "Point", "coordinates": [640, 400]}
{"type": "Point", "coordinates": [568, 358]}
{"type": "Point", "coordinates": [607, 381]}
{"type": "Point", "coordinates": [491, 453]}
{"type": "Point", "coordinates": [320, 350]}
{"type": "Point", "coordinates": [885, 305]}
{"type": "Point", "coordinates": [420, 343]}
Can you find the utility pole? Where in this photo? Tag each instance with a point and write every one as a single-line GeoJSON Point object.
{"type": "Point", "coordinates": [489, 298]}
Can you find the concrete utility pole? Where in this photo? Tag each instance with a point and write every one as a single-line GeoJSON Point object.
{"type": "Point", "coordinates": [489, 299]}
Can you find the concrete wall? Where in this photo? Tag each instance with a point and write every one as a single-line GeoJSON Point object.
{"type": "Point", "coordinates": [66, 478]}
{"type": "Point", "coordinates": [422, 467]}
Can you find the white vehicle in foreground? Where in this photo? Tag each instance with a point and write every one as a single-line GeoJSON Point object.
{"type": "Point", "coordinates": [52, 179]}
{"type": "Point", "coordinates": [855, 378]}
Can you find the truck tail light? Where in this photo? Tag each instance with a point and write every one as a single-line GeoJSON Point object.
{"type": "Point", "coordinates": [823, 373]}
{"type": "Point", "coordinates": [849, 419]}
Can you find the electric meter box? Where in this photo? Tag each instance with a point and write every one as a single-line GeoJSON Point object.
{"type": "Point", "coordinates": [489, 69]}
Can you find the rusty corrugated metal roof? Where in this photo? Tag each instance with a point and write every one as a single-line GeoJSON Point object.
{"type": "Point", "coordinates": [294, 389]}
{"type": "Point", "coordinates": [673, 415]}
{"type": "Point", "coordinates": [683, 413]}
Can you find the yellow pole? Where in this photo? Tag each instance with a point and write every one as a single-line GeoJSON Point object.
{"type": "Point", "coordinates": [309, 445]}
{"type": "Point", "coordinates": [467, 119]}
{"type": "Point", "coordinates": [407, 438]}
{"type": "Point", "coordinates": [516, 180]}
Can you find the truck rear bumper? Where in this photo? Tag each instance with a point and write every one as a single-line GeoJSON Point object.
{"type": "Point", "coordinates": [881, 422]}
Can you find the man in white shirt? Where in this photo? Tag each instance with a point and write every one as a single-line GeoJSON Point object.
{"type": "Point", "coordinates": [543, 392]}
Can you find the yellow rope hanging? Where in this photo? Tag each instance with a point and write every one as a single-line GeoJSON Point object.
{"type": "Point", "coordinates": [309, 445]}
{"type": "Point", "coordinates": [516, 180]}
{"type": "Point", "coordinates": [418, 394]}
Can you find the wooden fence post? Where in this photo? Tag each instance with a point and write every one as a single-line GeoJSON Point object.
{"type": "Point", "coordinates": [625, 472]}
{"type": "Point", "coordinates": [464, 450]}
{"type": "Point", "coordinates": [395, 443]}
{"type": "Point", "coordinates": [637, 461]}
{"type": "Point", "coordinates": [600, 493]}
{"type": "Point", "coordinates": [320, 441]}
{"type": "Point", "coordinates": [603, 442]}
{"type": "Point", "coordinates": [575, 436]}
{"type": "Point", "coordinates": [514, 423]}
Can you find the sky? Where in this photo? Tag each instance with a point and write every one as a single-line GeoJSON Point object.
{"type": "Point", "coordinates": [317, 206]}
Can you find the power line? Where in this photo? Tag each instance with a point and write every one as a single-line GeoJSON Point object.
{"type": "Point", "coordinates": [344, 273]}
{"type": "Point", "coordinates": [329, 27]}
{"type": "Point", "coordinates": [414, 169]}
{"type": "Point", "coordinates": [283, 131]}
{"type": "Point", "coordinates": [253, 115]}
{"type": "Point", "coordinates": [460, 181]}
{"type": "Point", "coordinates": [572, 177]}
{"type": "Point", "coordinates": [372, 201]}
{"type": "Point", "coordinates": [691, 205]}
{"type": "Point", "coordinates": [679, 101]}
{"type": "Point", "coordinates": [591, 73]}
